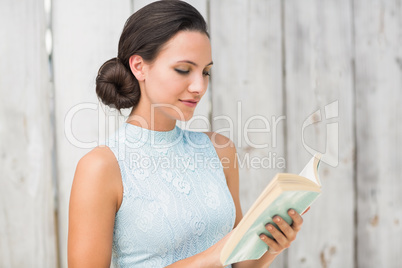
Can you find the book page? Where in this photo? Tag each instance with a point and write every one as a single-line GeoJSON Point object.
{"type": "Point", "coordinates": [310, 170]}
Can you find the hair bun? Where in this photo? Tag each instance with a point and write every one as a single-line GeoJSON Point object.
{"type": "Point", "coordinates": [116, 86]}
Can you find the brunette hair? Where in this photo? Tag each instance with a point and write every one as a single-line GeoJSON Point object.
{"type": "Point", "coordinates": [144, 34]}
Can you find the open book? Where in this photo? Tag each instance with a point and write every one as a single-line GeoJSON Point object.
{"type": "Point", "coordinates": [285, 191]}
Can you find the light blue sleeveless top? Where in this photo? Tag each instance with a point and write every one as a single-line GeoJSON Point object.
{"type": "Point", "coordinates": [176, 202]}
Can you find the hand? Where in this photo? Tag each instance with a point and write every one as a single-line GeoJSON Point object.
{"type": "Point", "coordinates": [285, 236]}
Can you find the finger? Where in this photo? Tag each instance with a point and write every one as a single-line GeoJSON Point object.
{"type": "Point", "coordinates": [273, 246]}
{"type": "Point", "coordinates": [297, 220]}
{"type": "Point", "coordinates": [279, 237]}
{"type": "Point", "coordinates": [288, 231]}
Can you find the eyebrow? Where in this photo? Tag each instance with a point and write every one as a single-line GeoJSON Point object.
{"type": "Point", "coordinates": [195, 64]}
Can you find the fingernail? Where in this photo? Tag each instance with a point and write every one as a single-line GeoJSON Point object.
{"type": "Point", "coordinates": [292, 212]}
{"type": "Point", "coordinates": [262, 237]}
{"type": "Point", "coordinates": [277, 219]}
{"type": "Point", "coordinates": [269, 227]}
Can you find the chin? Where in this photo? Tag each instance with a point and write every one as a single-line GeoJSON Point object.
{"type": "Point", "coordinates": [185, 117]}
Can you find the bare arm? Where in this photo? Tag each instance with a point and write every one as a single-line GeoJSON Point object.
{"type": "Point", "coordinates": [95, 196]}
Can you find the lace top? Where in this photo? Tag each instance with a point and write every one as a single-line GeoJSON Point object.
{"type": "Point", "coordinates": [176, 202]}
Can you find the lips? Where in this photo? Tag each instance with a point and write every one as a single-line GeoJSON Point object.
{"type": "Point", "coordinates": [190, 102]}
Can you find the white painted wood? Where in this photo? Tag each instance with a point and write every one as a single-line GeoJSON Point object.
{"type": "Point", "coordinates": [247, 89]}
{"type": "Point", "coordinates": [27, 223]}
{"type": "Point", "coordinates": [318, 52]}
{"type": "Point", "coordinates": [378, 38]}
{"type": "Point", "coordinates": [86, 34]}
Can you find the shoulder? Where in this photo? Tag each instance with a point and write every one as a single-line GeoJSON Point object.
{"type": "Point", "coordinates": [100, 163]}
{"type": "Point", "coordinates": [225, 148]}
{"type": "Point", "coordinates": [99, 159]}
{"type": "Point", "coordinates": [98, 171]}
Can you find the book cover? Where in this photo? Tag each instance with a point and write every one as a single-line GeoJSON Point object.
{"type": "Point", "coordinates": [285, 191]}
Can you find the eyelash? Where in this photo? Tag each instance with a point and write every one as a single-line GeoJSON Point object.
{"type": "Point", "coordinates": [181, 71]}
{"type": "Point", "coordinates": [187, 72]}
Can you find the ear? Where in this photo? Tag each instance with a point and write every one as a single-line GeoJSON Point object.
{"type": "Point", "coordinates": [137, 66]}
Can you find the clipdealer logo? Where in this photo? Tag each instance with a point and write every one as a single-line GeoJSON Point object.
{"type": "Point", "coordinates": [108, 119]}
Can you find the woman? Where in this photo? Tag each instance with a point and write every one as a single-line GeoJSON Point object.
{"type": "Point", "coordinates": [123, 199]}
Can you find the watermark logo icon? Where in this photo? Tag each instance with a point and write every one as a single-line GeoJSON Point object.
{"type": "Point", "coordinates": [331, 154]}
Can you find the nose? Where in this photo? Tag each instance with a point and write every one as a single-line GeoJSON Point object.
{"type": "Point", "coordinates": [199, 84]}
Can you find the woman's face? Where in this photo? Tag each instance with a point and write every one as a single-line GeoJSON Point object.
{"type": "Point", "coordinates": [180, 72]}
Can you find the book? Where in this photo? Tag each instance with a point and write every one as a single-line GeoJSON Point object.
{"type": "Point", "coordinates": [285, 191]}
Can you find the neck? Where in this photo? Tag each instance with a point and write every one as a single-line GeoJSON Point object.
{"type": "Point", "coordinates": [153, 120]}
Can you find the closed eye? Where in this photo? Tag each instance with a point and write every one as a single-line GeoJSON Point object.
{"type": "Point", "coordinates": [181, 71]}
{"type": "Point", "coordinates": [184, 72]}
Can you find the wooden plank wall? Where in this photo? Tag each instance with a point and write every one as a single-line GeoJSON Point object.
{"type": "Point", "coordinates": [378, 50]}
{"type": "Point", "coordinates": [319, 74]}
{"type": "Point", "coordinates": [276, 63]}
{"type": "Point", "coordinates": [27, 220]}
